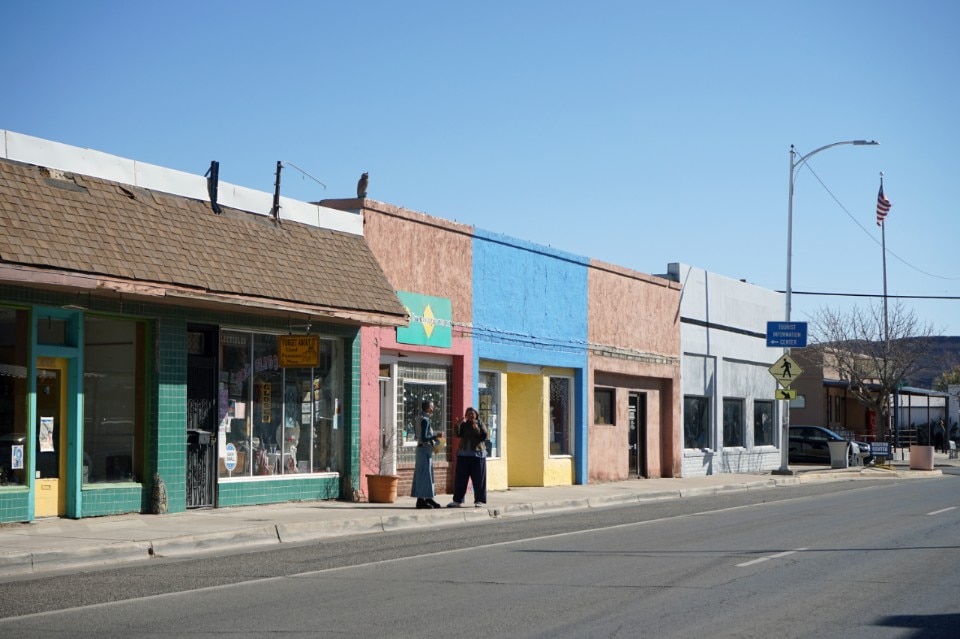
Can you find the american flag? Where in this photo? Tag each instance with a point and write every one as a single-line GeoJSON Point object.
{"type": "Point", "coordinates": [883, 206]}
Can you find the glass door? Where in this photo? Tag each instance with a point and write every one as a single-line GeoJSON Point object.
{"type": "Point", "coordinates": [50, 488]}
{"type": "Point", "coordinates": [637, 421]}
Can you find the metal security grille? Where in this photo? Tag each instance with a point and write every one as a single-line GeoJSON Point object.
{"type": "Point", "coordinates": [201, 469]}
{"type": "Point", "coordinates": [201, 417]}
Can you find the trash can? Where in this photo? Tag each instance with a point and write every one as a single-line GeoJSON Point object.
{"type": "Point", "coordinates": [838, 454]}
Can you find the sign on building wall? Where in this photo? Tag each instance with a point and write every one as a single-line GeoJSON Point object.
{"type": "Point", "coordinates": [431, 320]}
{"type": "Point", "coordinates": [298, 351]}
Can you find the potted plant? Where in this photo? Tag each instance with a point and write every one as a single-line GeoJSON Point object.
{"type": "Point", "coordinates": [921, 455]}
{"type": "Point", "coordinates": [382, 486]}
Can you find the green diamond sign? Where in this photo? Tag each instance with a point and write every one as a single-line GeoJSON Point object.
{"type": "Point", "coordinates": [430, 320]}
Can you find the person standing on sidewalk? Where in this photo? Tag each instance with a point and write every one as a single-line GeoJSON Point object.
{"type": "Point", "coordinates": [940, 437]}
{"type": "Point", "coordinates": [423, 488]}
{"type": "Point", "coordinates": [471, 460]}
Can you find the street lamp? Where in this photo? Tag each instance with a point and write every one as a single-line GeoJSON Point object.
{"type": "Point", "coordinates": [794, 163]}
{"type": "Point", "coordinates": [793, 167]}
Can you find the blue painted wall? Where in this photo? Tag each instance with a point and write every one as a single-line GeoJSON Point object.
{"type": "Point", "coordinates": [530, 307]}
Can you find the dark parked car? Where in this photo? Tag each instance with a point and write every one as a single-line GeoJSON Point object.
{"type": "Point", "coordinates": [808, 444]}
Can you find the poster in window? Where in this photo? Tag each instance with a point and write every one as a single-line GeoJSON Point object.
{"type": "Point", "coordinates": [46, 435]}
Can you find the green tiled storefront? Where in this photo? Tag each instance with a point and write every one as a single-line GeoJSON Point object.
{"type": "Point", "coordinates": [165, 412]}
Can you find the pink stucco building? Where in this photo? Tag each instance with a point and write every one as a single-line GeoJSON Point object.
{"type": "Point", "coordinates": [634, 374]}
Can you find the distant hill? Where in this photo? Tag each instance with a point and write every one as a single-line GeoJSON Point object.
{"type": "Point", "coordinates": [944, 355]}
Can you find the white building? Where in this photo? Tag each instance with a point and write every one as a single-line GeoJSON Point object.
{"type": "Point", "coordinates": [730, 418]}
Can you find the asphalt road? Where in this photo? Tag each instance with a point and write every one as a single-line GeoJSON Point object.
{"type": "Point", "coordinates": [824, 560]}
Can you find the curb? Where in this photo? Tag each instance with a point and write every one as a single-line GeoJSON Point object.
{"type": "Point", "coordinates": [23, 563]}
{"type": "Point", "coordinates": [193, 544]}
{"type": "Point", "coordinates": [311, 531]}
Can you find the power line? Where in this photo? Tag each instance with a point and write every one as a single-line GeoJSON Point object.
{"type": "Point", "coordinates": [878, 295]}
{"type": "Point", "coordinates": [288, 162]}
{"type": "Point", "coordinates": [871, 236]}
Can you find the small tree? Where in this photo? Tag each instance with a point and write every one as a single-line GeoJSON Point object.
{"type": "Point", "coordinates": [382, 457]}
{"type": "Point", "coordinates": [947, 378]}
{"type": "Point", "coordinates": [873, 354]}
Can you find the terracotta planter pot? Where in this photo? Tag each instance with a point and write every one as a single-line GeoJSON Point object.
{"type": "Point", "coordinates": [382, 489]}
{"type": "Point", "coordinates": [921, 458]}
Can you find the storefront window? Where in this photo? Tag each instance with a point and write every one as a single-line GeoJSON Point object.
{"type": "Point", "coordinates": [696, 422]}
{"type": "Point", "coordinates": [561, 416]}
{"type": "Point", "coordinates": [419, 382]}
{"type": "Point", "coordinates": [762, 423]}
{"type": "Point", "coordinates": [13, 396]}
{"type": "Point", "coordinates": [732, 423]}
{"type": "Point", "coordinates": [277, 421]}
{"type": "Point", "coordinates": [489, 408]}
{"type": "Point", "coordinates": [112, 400]}
{"type": "Point", "coordinates": [604, 406]}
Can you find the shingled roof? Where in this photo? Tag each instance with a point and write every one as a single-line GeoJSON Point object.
{"type": "Point", "coordinates": [82, 225]}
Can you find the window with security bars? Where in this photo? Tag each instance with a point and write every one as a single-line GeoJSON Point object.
{"type": "Point", "coordinates": [418, 382]}
{"type": "Point", "coordinates": [561, 416]}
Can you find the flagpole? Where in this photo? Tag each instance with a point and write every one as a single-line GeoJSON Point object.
{"type": "Point", "coordinates": [883, 207]}
{"type": "Point", "coordinates": [883, 238]}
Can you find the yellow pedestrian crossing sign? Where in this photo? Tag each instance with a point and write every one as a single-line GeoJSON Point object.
{"type": "Point", "coordinates": [785, 393]}
{"type": "Point", "coordinates": [785, 370]}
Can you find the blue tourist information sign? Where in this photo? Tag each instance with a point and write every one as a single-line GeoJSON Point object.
{"type": "Point", "coordinates": [787, 334]}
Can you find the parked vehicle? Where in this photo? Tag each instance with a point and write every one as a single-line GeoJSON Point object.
{"type": "Point", "coordinates": [808, 444]}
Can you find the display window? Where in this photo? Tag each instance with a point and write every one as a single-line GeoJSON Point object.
{"type": "Point", "coordinates": [113, 392]}
{"type": "Point", "coordinates": [277, 421]}
{"type": "Point", "coordinates": [561, 416]}
{"type": "Point", "coordinates": [14, 337]}
{"type": "Point", "coordinates": [489, 396]}
{"type": "Point", "coordinates": [418, 382]}
{"type": "Point", "coordinates": [696, 422]}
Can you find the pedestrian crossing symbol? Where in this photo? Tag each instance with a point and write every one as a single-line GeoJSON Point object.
{"type": "Point", "coordinates": [785, 370]}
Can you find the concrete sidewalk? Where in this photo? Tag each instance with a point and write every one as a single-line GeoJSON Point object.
{"type": "Point", "coordinates": [59, 544]}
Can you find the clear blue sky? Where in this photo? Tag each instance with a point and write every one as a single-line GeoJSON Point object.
{"type": "Point", "coordinates": [635, 132]}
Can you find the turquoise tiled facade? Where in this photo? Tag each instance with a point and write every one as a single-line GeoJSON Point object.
{"type": "Point", "coordinates": [165, 405]}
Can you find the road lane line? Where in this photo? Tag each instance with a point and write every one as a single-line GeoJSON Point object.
{"type": "Point", "coordinates": [763, 559]}
{"type": "Point", "coordinates": [942, 510]}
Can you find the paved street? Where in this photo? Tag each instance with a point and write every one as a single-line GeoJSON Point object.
{"type": "Point", "coordinates": [843, 558]}
{"type": "Point", "coordinates": [59, 544]}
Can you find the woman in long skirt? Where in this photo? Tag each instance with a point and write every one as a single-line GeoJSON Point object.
{"type": "Point", "coordinates": [423, 488]}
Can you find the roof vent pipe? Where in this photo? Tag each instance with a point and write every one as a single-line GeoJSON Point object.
{"type": "Point", "coordinates": [213, 183]}
{"type": "Point", "coordinates": [275, 211]}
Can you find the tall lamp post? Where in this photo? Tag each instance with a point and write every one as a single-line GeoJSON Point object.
{"type": "Point", "coordinates": [794, 164]}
